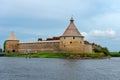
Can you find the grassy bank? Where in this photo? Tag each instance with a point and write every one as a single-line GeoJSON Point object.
{"type": "Point", "coordinates": [56, 55]}
{"type": "Point", "coordinates": [115, 54]}
{"type": "Point", "coordinates": [36, 55]}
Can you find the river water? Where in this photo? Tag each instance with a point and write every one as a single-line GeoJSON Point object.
{"type": "Point", "coordinates": [59, 69]}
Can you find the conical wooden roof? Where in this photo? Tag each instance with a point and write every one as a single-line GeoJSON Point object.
{"type": "Point", "coordinates": [12, 36]}
{"type": "Point", "coordinates": [71, 29]}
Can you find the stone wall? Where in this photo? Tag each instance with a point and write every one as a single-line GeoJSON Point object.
{"type": "Point", "coordinates": [88, 48]}
{"type": "Point", "coordinates": [50, 46]}
{"type": "Point", "coordinates": [72, 44]}
{"type": "Point", "coordinates": [11, 45]}
{"type": "Point", "coordinates": [67, 44]}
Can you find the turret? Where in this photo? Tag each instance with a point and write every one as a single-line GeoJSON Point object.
{"type": "Point", "coordinates": [71, 40]}
{"type": "Point", "coordinates": [11, 44]}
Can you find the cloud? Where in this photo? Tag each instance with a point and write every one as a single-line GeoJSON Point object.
{"type": "Point", "coordinates": [100, 33]}
{"type": "Point", "coordinates": [107, 20]}
{"type": "Point", "coordinates": [99, 19]}
{"type": "Point", "coordinates": [106, 33]}
{"type": "Point", "coordinates": [84, 34]}
{"type": "Point", "coordinates": [44, 8]}
{"type": "Point", "coordinates": [106, 38]}
{"type": "Point", "coordinates": [34, 8]}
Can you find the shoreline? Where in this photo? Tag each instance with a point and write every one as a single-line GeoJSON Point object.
{"type": "Point", "coordinates": [59, 55]}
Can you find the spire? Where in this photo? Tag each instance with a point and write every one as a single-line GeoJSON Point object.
{"type": "Point", "coordinates": [12, 37]}
{"type": "Point", "coordinates": [71, 20]}
{"type": "Point", "coordinates": [71, 30]}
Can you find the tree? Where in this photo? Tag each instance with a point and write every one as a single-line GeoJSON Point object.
{"type": "Point", "coordinates": [105, 51]}
{"type": "Point", "coordinates": [102, 50]}
{"type": "Point", "coordinates": [0, 49]}
{"type": "Point", "coordinates": [119, 52]}
{"type": "Point", "coordinates": [4, 46]}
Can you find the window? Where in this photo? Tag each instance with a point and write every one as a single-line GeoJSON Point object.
{"type": "Point", "coordinates": [64, 37]}
{"type": "Point", "coordinates": [70, 42]}
{"type": "Point", "coordinates": [80, 42]}
{"type": "Point", "coordinates": [73, 37]}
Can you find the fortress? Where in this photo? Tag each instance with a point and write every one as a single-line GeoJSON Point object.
{"type": "Point", "coordinates": [70, 41]}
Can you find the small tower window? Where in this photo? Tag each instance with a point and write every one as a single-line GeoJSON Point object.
{"type": "Point", "coordinates": [73, 37]}
{"type": "Point", "coordinates": [64, 37]}
{"type": "Point", "coordinates": [70, 42]}
{"type": "Point", "coordinates": [80, 42]}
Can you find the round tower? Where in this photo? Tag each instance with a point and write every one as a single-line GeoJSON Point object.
{"type": "Point", "coordinates": [11, 44]}
{"type": "Point", "coordinates": [71, 40]}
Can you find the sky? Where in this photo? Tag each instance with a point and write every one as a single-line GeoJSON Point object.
{"type": "Point", "coordinates": [97, 20]}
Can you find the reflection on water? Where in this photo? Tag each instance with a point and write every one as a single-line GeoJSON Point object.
{"type": "Point", "coordinates": [59, 69]}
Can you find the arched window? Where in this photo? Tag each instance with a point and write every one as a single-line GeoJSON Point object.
{"type": "Point", "coordinates": [13, 50]}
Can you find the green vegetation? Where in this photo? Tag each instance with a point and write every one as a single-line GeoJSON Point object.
{"type": "Point", "coordinates": [57, 55]}
{"type": "Point", "coordinates": [102, 50]}
{"type": "Point", "coordinates": [98, 53]}
{"type": "Point", "coordinates": [106, 52]}
{"type": "Point", "coordinates": [36, 55]}
{"type": "Point", "coordinates": [0, 49]}
{"type": "Point", "coordinates": [115, 54]}
{"type": "Point", "coordinates": [4, 46]}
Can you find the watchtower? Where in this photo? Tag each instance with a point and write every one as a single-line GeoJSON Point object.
{"type": "Point", "coordinates": [11, 44]}
{"type": "Point", "coordinates": [71, 40]}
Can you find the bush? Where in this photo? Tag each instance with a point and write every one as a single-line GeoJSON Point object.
{"type": "Point", "coordinates": [102, 50]}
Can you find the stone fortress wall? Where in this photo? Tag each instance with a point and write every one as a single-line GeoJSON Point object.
{"type": "Point", "coordinates": [42, 46]}
{"type": "Point", "coordinates": [71, 41]}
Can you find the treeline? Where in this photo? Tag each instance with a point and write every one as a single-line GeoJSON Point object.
{"type": "Point", "coordinates": [115, 54]}
{"type": "Point", "coordinates": [102, 50]}
{"type": "Point", "coordinates": [106, 52]}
